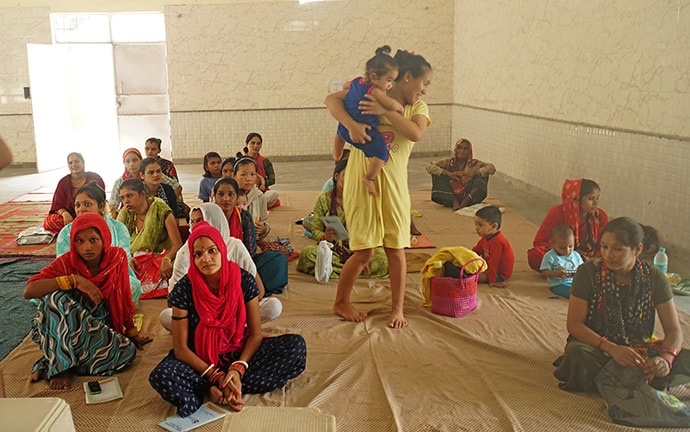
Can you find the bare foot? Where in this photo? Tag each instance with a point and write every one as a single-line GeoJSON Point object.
{"type": "Point", "coordinates": [499, 285]}
{"type": "Point", "coordinates": [348, 312]}
{"type": "Point", "coordinates": [35, 376]}
{"type": "Point", "coordinates": [370, 185]}
{"type": "Point", "coordinates": [398, 320]}
{"type": "Point", "coordinates": [61, 381]}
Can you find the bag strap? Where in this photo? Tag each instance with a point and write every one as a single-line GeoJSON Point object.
{"type": "Point", "coordinates": [481, 269]}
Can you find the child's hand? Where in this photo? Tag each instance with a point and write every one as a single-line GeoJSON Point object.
{"type": "Point", "coordinates": [498, 284]}
{"type": "Point", "coordinates": [260, 227]}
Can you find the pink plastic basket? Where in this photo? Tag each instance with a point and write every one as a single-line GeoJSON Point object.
{"type": "Point", "coordinates": [454, 297]}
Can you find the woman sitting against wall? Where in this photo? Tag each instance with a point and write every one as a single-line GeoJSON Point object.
{"type": "Point", "coordinates": [460, 181]}
{"type": "Point", "coordinates": [580, 211]}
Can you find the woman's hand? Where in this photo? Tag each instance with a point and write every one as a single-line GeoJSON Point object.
{"type": "Point", "coordinates": [232, 390]}
{"type": "Point", "coordinates": [261, 183]}
{"type": "Point", "coordinates": [358, 132]}
{"type": "Point", "coordinates": [369, 106]}
{"type": "Point", "coordinates": [66, 217]}
{"type": "Point", "coordinates": [625, 356]}
{"type": "Point", "coordinates": [139, 341]}
{"type": "Point", "coordinates": [261, 228]}
{"type": "Point", "coordinates": [89, 289]}
{"type": "Point", "coordinates": [166, 268]}
{"type": "Point", "coordinates": [330, 235]}
{"type": "Point", "coordinates": [656, 367]}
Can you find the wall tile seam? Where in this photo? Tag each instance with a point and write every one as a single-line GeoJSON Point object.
{"type": "Point", "coordinates": [580, 124]}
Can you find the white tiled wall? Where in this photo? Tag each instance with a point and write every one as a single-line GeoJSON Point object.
{"type": "Point", "coordinates": [642, 176]}
{"type": "Point", "coordinates": [287, 133]}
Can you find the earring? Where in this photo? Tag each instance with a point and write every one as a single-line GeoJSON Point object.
{"type": "Point", "coordinates": [406, 80]}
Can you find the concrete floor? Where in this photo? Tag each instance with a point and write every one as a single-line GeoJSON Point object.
{"type": "Point", "coordinates": [310, 175]}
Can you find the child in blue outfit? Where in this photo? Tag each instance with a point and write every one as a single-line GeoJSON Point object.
{"type": "Point", "coordinates": [381, 72]}
{"type": "Point", "coordinates": [560, 262]}
{"type": "Point", "coordinates": [212, 172]}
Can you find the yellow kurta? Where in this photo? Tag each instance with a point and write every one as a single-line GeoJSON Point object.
{"type": "Point", "coordinates": [385, 219]}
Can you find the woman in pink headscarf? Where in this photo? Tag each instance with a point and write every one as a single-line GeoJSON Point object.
{"type": "Point", "coordinates": [580, 211]}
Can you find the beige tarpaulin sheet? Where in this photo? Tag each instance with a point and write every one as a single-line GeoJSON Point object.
{"type": "Point", "coordinates": [489, 370]}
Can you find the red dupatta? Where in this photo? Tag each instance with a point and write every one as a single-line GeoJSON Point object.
{"type": "Point", "coordinates": [112, 278]}
{"type": "Point", "coordinates": [588, 238]}
{"type": "Point", "coordinates": [235, 223]}
{"type": "Point", "coordinates": [222, 316]}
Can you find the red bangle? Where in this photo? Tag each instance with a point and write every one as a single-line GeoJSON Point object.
{"type": "Point", "coordinates": [601, 341]}
{"type": "Point", "coordinates": [669, 350]}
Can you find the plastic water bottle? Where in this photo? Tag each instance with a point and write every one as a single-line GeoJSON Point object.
{"type": "Point", "coordinates": [661, 260]}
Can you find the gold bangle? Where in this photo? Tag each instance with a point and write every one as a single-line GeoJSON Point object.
{"type": "Point", "coordinates": [74, 280]}
{"type": "Point", "coordinates": [166, 258]}
{"type": "Point", "coordinates": [63, 283]}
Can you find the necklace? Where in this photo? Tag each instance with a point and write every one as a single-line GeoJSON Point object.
{"type": "Point", "coordinates": [79, 182]}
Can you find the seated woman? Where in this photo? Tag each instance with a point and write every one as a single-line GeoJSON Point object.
{"type": "Point", "coordinates": [461, 180]}
{"type": "Point", "coordinates": [330, 203]}
{"type": "Point", "coordinates": [246, 175]}
{"type": "Point", "coordinates": [91, 199]}
{"type": "Point", "coordinates": [580, 212]}
{"type": "Point", "coordinates": [264, 168]}
{"type": "Point", "coordinates": [152, 174]}
{"type": "Point", "coordinates": [131, 158]}
{"type": "Point", "coordinates": [218, 349]}
{"type": "Point", "coordinates": [612, 312]}
{"type": "Point", "coordinates": [152, 148]}
{"type": "Point", "coordinates": [271, 266]}
{"type": "Point", "coordinates": [84, 324]}
{"type": "Point", "coordinates": [270, 308]}
{"type": "Point", "coordinates": [62, 209]}
{"type": "Point", "coordinates": [155, 238]}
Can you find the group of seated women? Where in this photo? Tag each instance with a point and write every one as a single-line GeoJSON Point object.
{"type": "Point", "coordinates": [217, 278]}
{"type": "Point", "coordinates": [221, 281]}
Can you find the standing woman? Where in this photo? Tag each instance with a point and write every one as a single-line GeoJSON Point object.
{"type": "Point", "coordinates": [153, 231]}
{"type": "Point", "coordinates": [91, 199]}
{"type": "Point", "coordinates": [580, 211]}
{"type": "Point", "coordinates": [218, 349]}
{"type": "Point", "coordinates": [383, 219]}
{"type": "Point", "coordinates": [264, 167]}
{"type": "Point", "coordinates": [84, 323]}
{"type": "Point", "coordinates": [62, 209]}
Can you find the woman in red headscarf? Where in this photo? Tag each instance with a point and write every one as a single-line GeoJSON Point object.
{"type": "Point", "coordinates": [84, 323]}
{"type": "Point", "coordinates": [218, 349]}
{"type": "Point", "coordinates": [580, 211]}
{"type": "Point", "coordinates": [461, 180]}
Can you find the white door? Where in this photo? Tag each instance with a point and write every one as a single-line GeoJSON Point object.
{"type": "Point", "coordinates": [73, 105]}
{"type": "Point", "coordinates": [141, 82]}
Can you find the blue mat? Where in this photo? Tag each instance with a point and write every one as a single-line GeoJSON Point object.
{"type": "Point", "coordinates": [15, 311]}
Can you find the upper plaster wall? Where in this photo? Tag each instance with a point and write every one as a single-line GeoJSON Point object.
{"type": "Point", "coordinates": [283, 55]}
{"type": "Point", "coordinates": [621, 64]}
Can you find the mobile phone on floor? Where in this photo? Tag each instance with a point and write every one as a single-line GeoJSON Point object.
{"type": "Point", "coordinates": [94, 387]}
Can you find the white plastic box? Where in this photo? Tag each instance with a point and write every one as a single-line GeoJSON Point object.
{"type": "Point", "coordinates": [36, 415]}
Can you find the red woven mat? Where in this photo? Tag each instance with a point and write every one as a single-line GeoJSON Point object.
{"type": "Point", "coordinates": [16, 216]}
